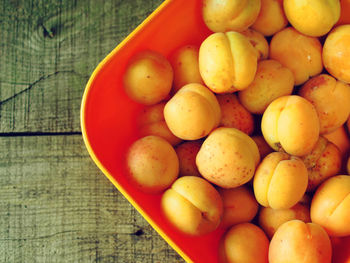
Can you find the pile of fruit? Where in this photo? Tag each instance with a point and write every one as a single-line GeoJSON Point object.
{"type": "Point", "coordinates": [250, 135]}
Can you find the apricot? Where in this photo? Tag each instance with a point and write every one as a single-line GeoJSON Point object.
{"type": "Point", "coordinates": [151, 114]}
{"type": "Point", "coordinates": [187, 152]}
{"type": "Point", "coordinates": [341, 139]}
{"type": "Point", "coordinates": [228, 157]}
{"type": "Point", "coordinates": [330, 98]}
{"type": "Point", "coordinates": [230, 15]}
{"type": "Point", "coordinates": [280, 181]}
{"type": "Point", "coordinates": [271, 81]}
{"type": "Point", "coordinates": [227, 62]}
{"type": "Point", "coordinates": [348, 166]}
{"type": "Point", "coordinates": [296, 241]}
{"type": "Point", "coordinates": [291, 123]}
{"type": "Point", "coordinates": [336, 53]}
{"type": "Point", "coordinates": [271, 219]}
{"type": "Point", "coordinates": [242, 243]}
{"type": "Point", "coordinates": [240, 206]}
{"type": "Point", "coordinates": [148, 77]}
{"type": "Point", "coordinates": [192, 205]}
{"type": "Point", "coordinates": [185, 65]}
{"type": "Point", "coordinates": [300, 53]}
{"type": "Point", "coordinates": [323, 162]}
{"type": "Point", "coordinates": [312, 17]}
{"type": "Point", "coordinates": [341, 251]}
{"type": "Point", "coordinates": [271, 18]}
{"type": "Point", "coordinates": [264, 148]}
{"type": "Point", "coordinates": [160, 129]}
{"type": "Point", "coordinates": [151, 122]}
{"type": "Point", "coordinates": [152, 164]}
{"type": "Point", "coordinates": [192, 112]}
{"type": "Point", "coordinates": [234, 115]}
{"type": "Point", "coordinates": [258, 41]}
{"type": "Point", "coordinates": [330, 206]}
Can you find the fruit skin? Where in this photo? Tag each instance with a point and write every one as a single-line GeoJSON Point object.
{"type": "Point", "coordinates": [230, 15]}
{"type": "Point", "coordinates": [323, 162]}
{"type": "Point", "coordinates": [160, 129]}
{"type": "Point", "coordinates": [280, 181]}
{"type": "Point", "coordinates": [240, 206]}
{"type": "Point", "coordinates": [264, 148]}
{"type": "Point", "coordinates": [227, 62]}
{"type": "Point", "coordinates": [185, 66]}
{"type": "Point", "coordinates": [187, 152]}
{"type": "Point", "coordinates": [234, 115]}
{"type": "Point", "coordinates": [290, 123]}
{"type": "Point", "coordinates": [341, 139]}
{"type": "Point", "coordinates": [336, 53]}
{"type": "Point", "coordinates": [301, 54]}
{"type": "Point", "coordinates": [296, 241]}
{"type": "Point", "coordinates": [148, 77]}
{"type": "Point", "coordinates": [271, 18]}
{"type": "Point", "coordinates": [228, 157]}
{"type": "Point", "coordinates": [151, 122]}
{"type": "Point", "coordinates": [312, 17]}
{"type": "Point", "coordinates": [152, 164]}
{"type": "Point", "coordinates": [330, 99]}
{"type": "Point", "coordinates": [330, 206]}
{"type": "Point", "coordinates": [271, 81]}
{"type": "Point", "coordinates": [258, 41]}
{"type": "Point", "coordinates": [192, 112]}
{"type": "Point", "coordinates": [192, 205]}
{"type": "Point", "coordinates": [242, 243]}
{"type": "Point", "coordinates": [271, 219]}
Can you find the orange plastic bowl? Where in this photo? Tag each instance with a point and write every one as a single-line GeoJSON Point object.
{"type": "Point", "coordinates": [108, 116]}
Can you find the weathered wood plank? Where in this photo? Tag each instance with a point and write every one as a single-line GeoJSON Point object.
{"type": "Point", "coordinates": [48, 49]}
{"type": "Point", "coordinates": [56, 206]}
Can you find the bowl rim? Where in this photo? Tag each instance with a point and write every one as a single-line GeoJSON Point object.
{"type": "Point", "coordinates": [88, 146]}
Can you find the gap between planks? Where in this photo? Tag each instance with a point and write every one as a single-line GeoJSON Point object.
{"type": "Point", "coordinates": [26, 134]}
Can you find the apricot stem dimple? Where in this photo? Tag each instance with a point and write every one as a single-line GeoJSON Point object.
{"type": "Point", "coordinates": [279, 147]}
{"type": "Point", "coordinates": [311, 159]}
{"type": "Point", "coordinates": [205, 215]}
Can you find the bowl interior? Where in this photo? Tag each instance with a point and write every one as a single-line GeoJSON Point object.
{"type": "Point", "coordinates": [109, 116]}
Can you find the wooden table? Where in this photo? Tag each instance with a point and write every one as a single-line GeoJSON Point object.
{"type": "Point", "coordinates": [55, 204]}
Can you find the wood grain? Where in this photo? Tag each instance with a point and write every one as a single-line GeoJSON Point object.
{"type": "Point", "coordinates": [48, 49]}
{"type": "Point", "coordinates": [56, 206]}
